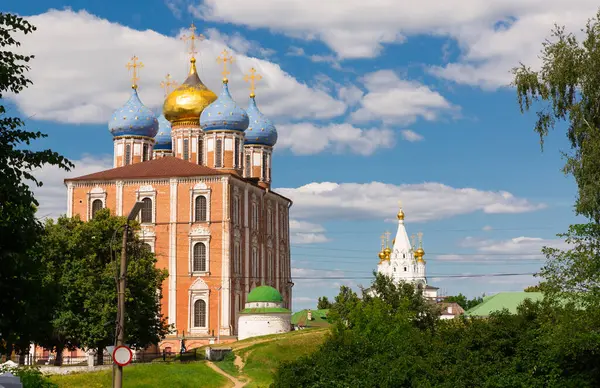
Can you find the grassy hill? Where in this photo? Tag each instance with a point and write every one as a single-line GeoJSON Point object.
{"type": "Point", "coordinates": [255, 360]}
{"type": "Point", "coordinates": [193, 374]}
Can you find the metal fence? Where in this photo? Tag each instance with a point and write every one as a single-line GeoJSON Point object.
{"type": "Point", "coordinates": [138, 357]}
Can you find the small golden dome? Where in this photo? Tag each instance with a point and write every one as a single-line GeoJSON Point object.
{"type": "Point", "coordinates": [185, 104]}
{"type": "Point", "coordinates": [381, 255]}
{"type": "Point", "coordinates": [400, 215]}
{"type": "Point", "coordinates": [387, 251]}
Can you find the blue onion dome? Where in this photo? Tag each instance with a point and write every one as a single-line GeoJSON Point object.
{"type": "Point", "coordinates": [261, 130]}
{"type": "Point", "coordinates": [224, 114]}
{"type": "Point", "coordinates": [133, 119]}
{"type": "Point", "coordinates": [162, 141]}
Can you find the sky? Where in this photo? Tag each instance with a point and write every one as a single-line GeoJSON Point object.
{"type": "Point", "coordinates": [374, 102]}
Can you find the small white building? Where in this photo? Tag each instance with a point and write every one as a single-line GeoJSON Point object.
{"type": "Point", "coordinates": [404, 261]}
{"type": "Point", "coordinates": [263, 314]}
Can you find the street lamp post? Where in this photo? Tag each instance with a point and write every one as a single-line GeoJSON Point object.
{"type": "Point", "coordinates": [118, 370]}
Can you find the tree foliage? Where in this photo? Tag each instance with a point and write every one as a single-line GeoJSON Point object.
{"type": "Point", "coordinates": [567, 90]}
{"type": "Point", "coordinates": [81, 260]}
{"type": "Point", "coordinates": [464, 302]}
{"type": "Point", "coordinates": [19, 229]}
{"type": "Point", "coordinates": [382, 342]}
{"type": "Point", "coordinates": [324, 303]}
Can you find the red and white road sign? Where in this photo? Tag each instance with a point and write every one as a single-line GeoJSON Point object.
{"type": "Point", "coordinates": [122, 355]}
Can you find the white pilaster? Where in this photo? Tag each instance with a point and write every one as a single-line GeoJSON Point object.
{"type": "Point", "coordinates": [245, 221]}
{"type": "Point", "coordinates": [225, 328]}
{"type": "Point", "coordinates": [70, 199]}
{"type": "Point", "coordinates": [277, 252]}
{"type": "Point", "coordinates": [173, 254]}
{"type": "Point", "coordinates": [119, 209]}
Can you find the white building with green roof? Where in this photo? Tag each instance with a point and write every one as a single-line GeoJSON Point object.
{"type": "Point", "coordinates": [263, 314]}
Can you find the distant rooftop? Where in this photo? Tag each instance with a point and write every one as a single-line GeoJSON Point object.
{"type": "Point", "coordinates": [319, 318]}
{"type": "Point", "coordinates": [502, 300]}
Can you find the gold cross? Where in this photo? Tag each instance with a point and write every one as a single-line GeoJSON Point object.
{"type": "Point", "coordinates": [167, 83]}
{"type": "Point", "coordinates": [135, 65]}
{"type": "Point", "coordinates": [387, 238]}
{"type": "Point", "coordinates": [400, 204]}
{"type": "Point", "coordinates": [382, 241]}
{"type": "Point", "coordinates": [192, 38]}
{"type": "Point", "coordinates": [412, 240]}
{"type": "Point", "coordinates": [224, 58]}
{"type": "Point", "coordinates": [252, 78]}
{"type": "Point", "coordinates": [420, 234]}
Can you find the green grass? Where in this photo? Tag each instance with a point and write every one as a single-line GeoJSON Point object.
{"type": "Point", "coordinates": [262, 359]}
{"type": "Point", "coordinates": [193, 374]}
{"type": "Point", "coordinates": [228, 365]}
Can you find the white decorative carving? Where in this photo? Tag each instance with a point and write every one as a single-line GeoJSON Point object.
{"type": "Point", "coordinates": [146, 188]}
{"type": "Point", "coordinates": [97, 190]}
{"type": "Point", "coordinates": [199, 231]}
{"type": "Point", "coordinates": [200, 186]}
{"type": "Point", "coordinates": [254, 239]}
{"type": "Point", "coordinates": [199, 285]}
{"type": "Point", "coordinates": [237, 235]}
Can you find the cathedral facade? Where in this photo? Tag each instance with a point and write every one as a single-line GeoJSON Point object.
{"type": "Point", "coordinates": [202, 170]}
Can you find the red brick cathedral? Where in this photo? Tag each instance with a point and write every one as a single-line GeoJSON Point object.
{"type": "Point", "coordinates": [203, 173]}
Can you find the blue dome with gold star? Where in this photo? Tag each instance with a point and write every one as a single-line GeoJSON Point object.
{"type": "Point", "coordinates": [133, 119]}
{"type": "Point", "coordinates": [261, 130]}
{"type": "Point", "coordinates": [224, 114]}
{"type": "Point", "coordinates": [162, 141]}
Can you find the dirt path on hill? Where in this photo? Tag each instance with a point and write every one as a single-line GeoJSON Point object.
{"type": "Point", "coordinates": [236, 383]}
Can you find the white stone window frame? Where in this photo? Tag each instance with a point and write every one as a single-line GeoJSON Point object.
{"type": "Point", "coordinates": [147, 192]}
{"type": "Point", "coordinates": [199, 189]}
{"type": "Point", "coordinates": [147, 236]}
{"type": "Point", "coordinates": [198, 291]}
{"type": "Point", "coordinates": [94, 194]}
{"type": "Point", "coordinates": [199, 235]}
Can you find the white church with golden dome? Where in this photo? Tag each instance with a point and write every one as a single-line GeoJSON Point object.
{"type": "Point", "coordinates": [202, 170]}
{"type": "Point", "coordinates": [404, 262]}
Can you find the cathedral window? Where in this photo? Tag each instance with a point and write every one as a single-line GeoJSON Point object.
{"type": "Point", "coordinates": [200, 313]}
{"type": "Point", "coordinates": [269, 221]}
{"type": "Point", "coordinates": [146, 216]}
{"type": "Point", "coordinates": [236, 210]}
{"type": "Point", "coordinates": [264, 167]}
{"type": "Point", "coordinates": [254, 215]}
{"type": "Point", "coordinates": [237, 259]}
{"type": "Point", "coordinates": [96, 205]}
{"type": "Point", "coordinates": [199, 264]}
{"type": "Point", "coordinates": [148, 247]}
{"type": "Point", "coordinates": [200, 151]}
{"type": "Point", "coordinates": [254, 264]}
{"type": "Point", "coordinates": [218, 152]}
{"type": "Point", "coordinates": [127, 154]}
{"type": "Point", "coordinates": [248, 165]}
{"type": "Point", "coordinates": [145, 152]}
{"type": "Point", "coordinates": [236, 153]}
{"type": "Point", "coordinates": [405, 269]}
{"type": "Point", "coordinates": [200, 209]}
{"type": "Point", "coordinates": [186, 149]}
{"type": "Point", "coordinates": [269, 265]}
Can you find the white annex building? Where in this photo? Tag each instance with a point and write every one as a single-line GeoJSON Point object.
{"type": "Point", "coordinates": [404, 262]}
{"type": "Point", "coordinates": [263, 314]}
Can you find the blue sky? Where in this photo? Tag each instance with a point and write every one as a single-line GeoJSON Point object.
{"type": "Point", "coordinates": [374, 103]}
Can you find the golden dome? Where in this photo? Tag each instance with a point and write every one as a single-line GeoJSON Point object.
{"type": "Point", "coordinates": [387, 251]}
{"type": "Point", "coordinates": [419, 253]}
{"type": "Point", "coordinates": [381, 255]}
{"type": "Point", "coordinates": [185, 104]}
{"type": "Point", "coordinates": [400, 215]}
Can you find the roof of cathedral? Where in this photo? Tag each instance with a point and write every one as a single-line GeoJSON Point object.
{"type": "Point", "coordinates": [224, 114]}
{"type": "Point", "coordinates": [264, 294]}
{"type": "Point", "coordinates": [261, 130]}
{"type": "Point", "coordinates": [401, 241]}
{"type": "Point", "coordinates": [133, 119]}
{"type": "Point", "coordinates": [167, 167]}
{"type": "Point", "coordinates": [163, 138]}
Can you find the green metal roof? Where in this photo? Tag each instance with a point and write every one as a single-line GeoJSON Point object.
{"type": "Point", "coordinates": [319, 318]}
{"type": "Point", "coordinates": [264, 294]}
{"type": "Point", "coordinates": [503, 300]}
{"type": "Point", "coordinates": [264, 310]}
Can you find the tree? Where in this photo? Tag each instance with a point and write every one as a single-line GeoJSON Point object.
{"type": "Point", "coordinates": [567, 89]}
{"type": "Point", "coordinates": [540, 287]}
{"type": "Point", "coordinates": [463, 302]}
{"type": "Point", "coordinates": [19, 228]}
{"type": "Point", "coordinates": [81, 261]}
{"type": "Point", "coordinates": [324, 303]}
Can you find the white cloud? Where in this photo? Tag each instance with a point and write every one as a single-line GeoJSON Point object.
{"type": "Point", "coordinates": [393, 100]}
{"type": "Point", "coordinates": [238, 43]}
{"type": "Point", "coordinates": [52, 196]}
{"type": "Point", "coordinates": [493, 35]}
{"type": "Point", "coordinates": [411, 136]}
{"type": "Point", "coordinates": [308, 138]}
{"type": "Point", "coordinates": [376, 200]}
{"type": "Point", "coordinates": [79, 72]}
{"type": "Point", "coordinates": [303, 232]}
{"type": "Point", "coordinates": [351, 95]}
{"type": "Point", "coordinates": [487, 228]}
